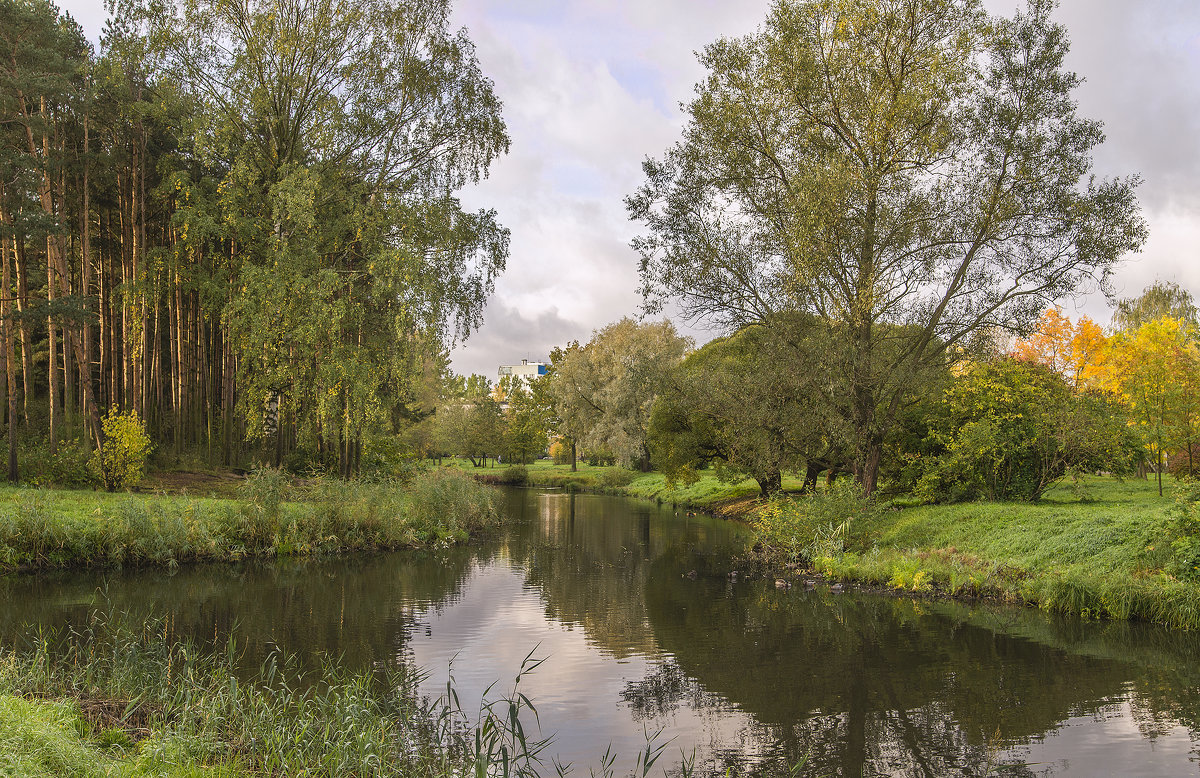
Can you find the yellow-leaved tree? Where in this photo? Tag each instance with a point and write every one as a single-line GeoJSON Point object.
{"type": "Point", "coordinates": [1154, 370]}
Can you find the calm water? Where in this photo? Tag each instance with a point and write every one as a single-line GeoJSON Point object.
{"type": "Point", "coordinates": [642, 630]}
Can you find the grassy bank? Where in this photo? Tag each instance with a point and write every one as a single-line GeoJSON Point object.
{"type": "Point", "coordinates": [271, 516]}
{"type": "Point", "coordinates": [115, 700]}
{"type": "Point", "coordinates": [1108, 555]}
{"type": "Point", "coordinates": [707, 493]}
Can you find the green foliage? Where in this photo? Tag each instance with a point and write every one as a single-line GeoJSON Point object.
{"type": "Point", "coordinates": [603, 392]}
{"type": "Point", "coordinates": [449, 504]}
{"type": "Point", "coordinates": [69, 466]}
{"type": "Point", "coordinates": [1158, 300]}
{"type": "Point", "coordinates": [756, 403]}
{"type": "Point", "coordinates": [272, 517]}
{"type": "Point", "coordinates": [1008, 430]}
{"type": "Point", "coordinates": [600, 457]}
{"type": "Point", "coordinates": [616, 477]}
{"type": "Point", "coordinates": [122, 456]}
{"type": "Point", "coordinates": [528, 419]}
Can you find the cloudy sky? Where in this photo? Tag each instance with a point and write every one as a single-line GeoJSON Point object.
{"type": "Point", "coordinates": [591, 87]}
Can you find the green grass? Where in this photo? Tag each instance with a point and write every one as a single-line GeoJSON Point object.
{"type": "Point", "coordinates": [42, 528]}
{"type": "Point", "coordinates": [1104, 557]}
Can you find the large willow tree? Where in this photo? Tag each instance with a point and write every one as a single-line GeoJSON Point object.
{"type": "Point", "coordinates": [344, 127]}
{"type": "Point", "coordinates": [906, 170]}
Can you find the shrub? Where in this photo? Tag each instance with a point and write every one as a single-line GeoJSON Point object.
{"type": "Point", "coordinates": [1008, 430]}
{"type": "Point", "coordinates": [1183, 530]}
{"type": "Point", "coordinates": [517, 475]}
{"type": "Point", "coordinates": [814, 526]}
{"type": "Point", "coordinates": [69, 466]}
{"type": "Point", "coordinates": [600, 457]}
{"type": "Point", "coordinates": [121, 458]}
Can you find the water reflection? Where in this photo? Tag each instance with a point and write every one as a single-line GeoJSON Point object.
{"type": "Point", "coordinates": [644, 630]}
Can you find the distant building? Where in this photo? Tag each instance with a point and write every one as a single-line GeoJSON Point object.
{"type": "Point", "coordinates": [527, 370]}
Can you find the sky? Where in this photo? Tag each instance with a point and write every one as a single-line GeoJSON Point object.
{"type": "Point", "coordinates": [592, 87]}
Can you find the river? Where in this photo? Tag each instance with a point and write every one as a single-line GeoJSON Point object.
{"type": "Point", "coordinates": [644, 633]}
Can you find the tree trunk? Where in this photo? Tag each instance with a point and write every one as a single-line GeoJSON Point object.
{"type": "Point", "coordinates": [811, 470]}
{"type": "Point", "coordinates": [26, 330]}
{"type": "Point", "coordinates": [85, 273]}
{"type": "Point", "coordinates": [52, 362]}
{"type": "Point", "coordinates": [574, 456]}
{"type": "Point", "coordinates": [769, 484]}
{"type": "Point", "coordinates": [10, 362]}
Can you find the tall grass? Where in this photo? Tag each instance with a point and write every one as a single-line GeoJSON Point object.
{"type": "Point", "coordinates": [153, 704]}
{"type": "Point", "coordinates": [271, 517]}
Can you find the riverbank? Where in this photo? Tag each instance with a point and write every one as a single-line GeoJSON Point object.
{"type": "Point", "coordinates": [116, 699]}
{"type": "Point", "coordinates": [271, 516]}
{"type": "Point", "coordinates": [708, 493]}
{"type": "Point", "coordinates": [1108, 555]}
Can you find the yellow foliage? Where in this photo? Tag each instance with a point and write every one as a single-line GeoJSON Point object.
{"type": "Point", "coordinates": [1069, 349]}
{"type": "Point", "coordinates": [122, 456]}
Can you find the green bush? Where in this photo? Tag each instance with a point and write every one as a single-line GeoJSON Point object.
{"type": "Point", "coordinates": [600, 457]}
{"type": "Point", "coordinates": [516, 475]}
{"type": "Point", "coordinates": [1183, 529]}
{"type": "Point", "coordinates": [70, 465]}
{"type": "Point", "coordinates": [122, 456]}
{"type": "Point", "coordinates": [1008, 430]}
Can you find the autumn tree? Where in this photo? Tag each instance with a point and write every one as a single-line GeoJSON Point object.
{"type": "Point", "coordinates": [913, 163]}
{"type": "Point", "coordinates": [1153, 371]}
{"type": "Point", "coordinates": [1066, 347]}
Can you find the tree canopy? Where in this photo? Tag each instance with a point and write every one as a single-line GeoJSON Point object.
{"type": "Point", "coordinates": [914, 163]}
